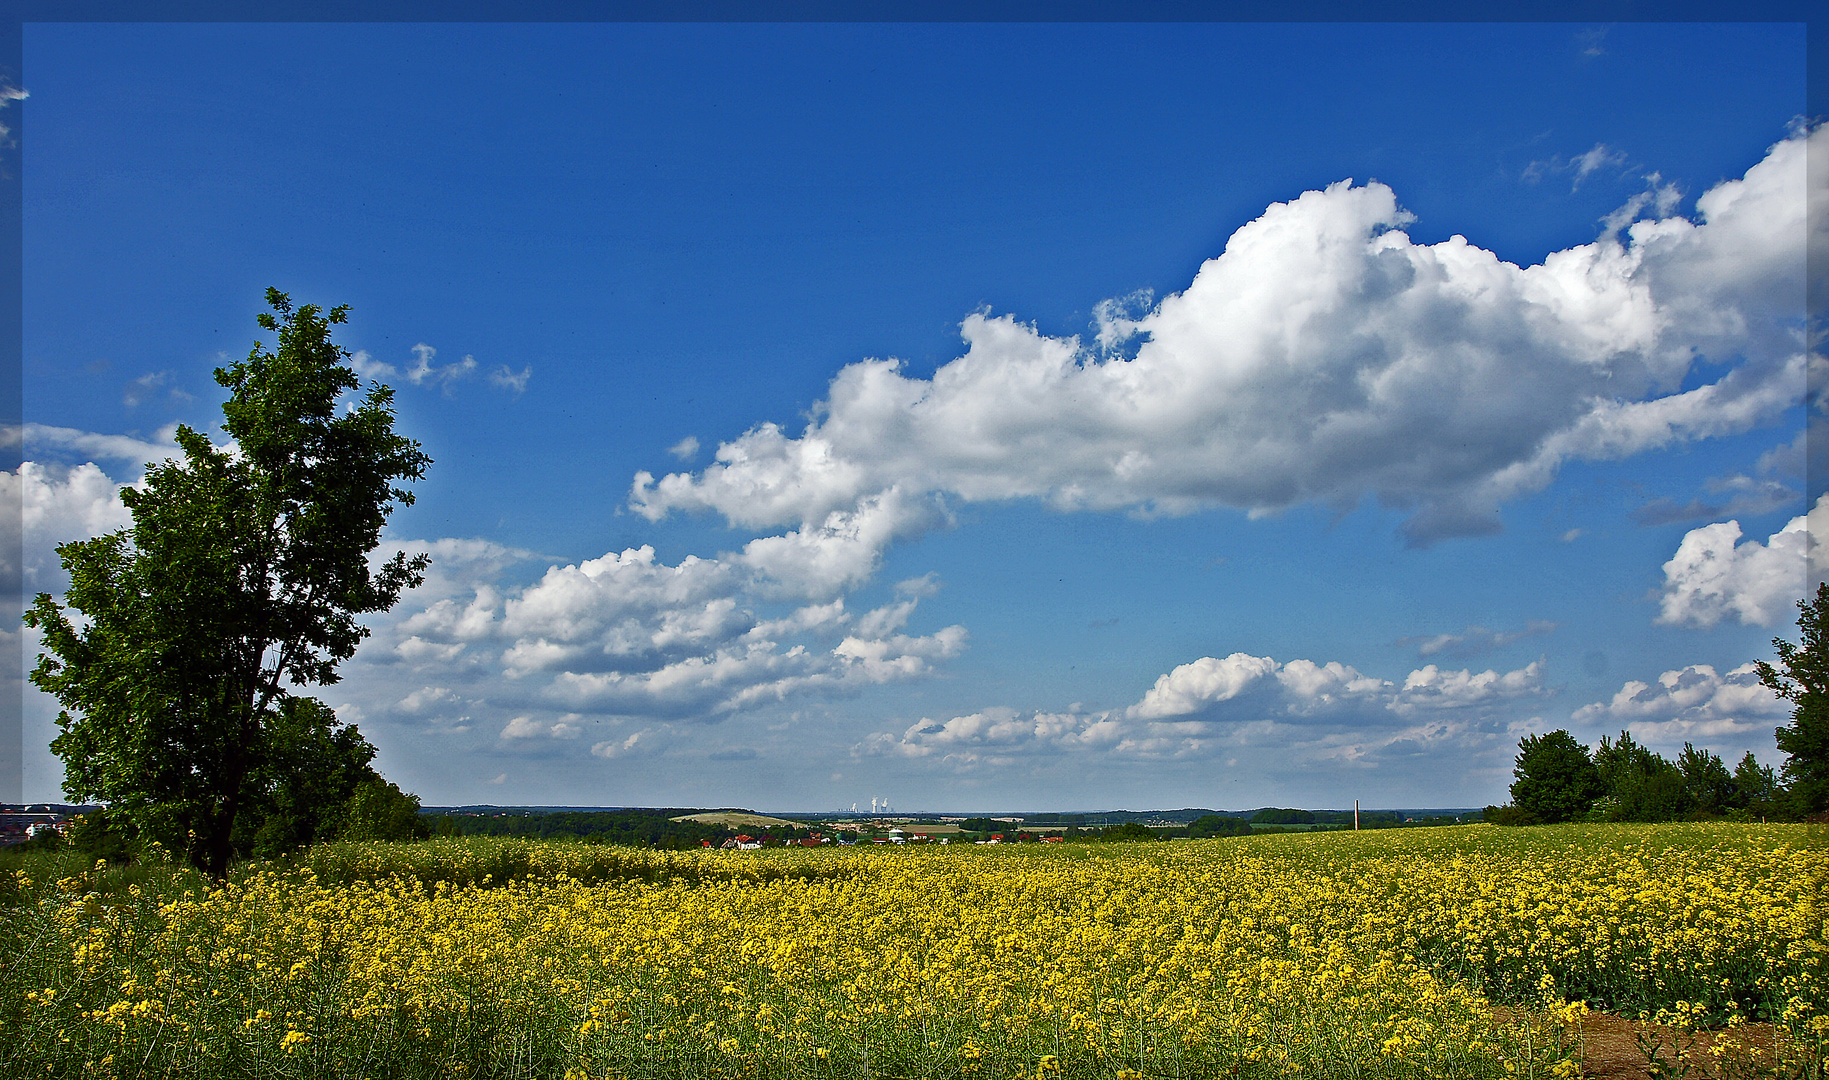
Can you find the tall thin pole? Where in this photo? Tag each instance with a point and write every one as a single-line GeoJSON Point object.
{"type": "Point", "coordinates": [1355, 815]}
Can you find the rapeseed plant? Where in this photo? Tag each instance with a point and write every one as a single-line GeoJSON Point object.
{"type": "Point", "coordinates": [1377, 955]}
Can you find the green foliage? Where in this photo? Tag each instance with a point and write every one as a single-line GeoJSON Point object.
{"type": "Point", "coordinates": [378, 810]}
{"type": "Point", "coordinates": [99, 836]}
{"type": "Point", "coordinates": [1218, 825]}
{"type": "Point", "coordinates": [1614, 761]}
{"type": "Point", "coordinates": [1756, 790]}
{"type": "Point", "coordinates": [1805, 683]}
{"type": "Point", "coordinates": [1653, 794]}
{"type": "Point", "coordinates": [1708, 787]}
{"type": "Point", "coordinates": [1637, 784]}
{"type": "Point", "coordinates": [1508, 815]}
{"type": "Point", "coordinates": [1556, 780]}
{"type": "Point", "coordinates": [244, 572]}
{"type": "Point", "coordinates": [1130, 830]}
{"type": "Point", "coordinates": [313, 767]}
{"type": "Point", "coordinates": [45, 840]}
{"type": "Point", "coordinates": [1640, 785]}
{"type": "Point", "coordinates": [651, 828]}
{"type": "Point", "coordinates": [1274, 816]}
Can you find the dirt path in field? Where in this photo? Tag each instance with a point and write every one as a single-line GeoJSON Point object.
{"type": "Point", "coordinates": [1611, 1049]}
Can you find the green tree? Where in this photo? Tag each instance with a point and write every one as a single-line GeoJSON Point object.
{"type": "Point", "coordinates": [1615, 762]}
{"type": "Point", "coordinates": [1507, 815]}
{"type": "Point", "coordinates": [1218, 825]}
{"type": "Point", "coordinates": [1707, 785]}
{"type": "Point", "coordinates": [97, 837]}
{"type": "Point", "coordinates": [378, 810]}
{"type": "Point", "coordinates": [246, 570]}
{"type": "Point", "coordinates": [313, 766]}
{"type": "Point", "coordinates": [1805, 683]}
{"type": "Point", "coordinates": [1640, 785]}
{"type": "Point", "coordinates": [1271, 815]}
{"type": "Point", "coordinates": [1756, 789]}
{"type": "Point", "coordinates": [1556, 780]}
{"type": "Point", "coordinates": [1655, 793]}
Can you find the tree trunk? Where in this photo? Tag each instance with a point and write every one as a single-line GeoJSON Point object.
{"type": "Point", "coordinates": [219, 845]}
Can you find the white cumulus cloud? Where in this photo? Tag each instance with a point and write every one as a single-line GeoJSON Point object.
{"type": "Point", "coordinates": [1217, 705]}
{"type": "Point", "coordinates": [43, 441]}
{"type": "Point", "coordinates": [368, 367]}
{"type": "Point", "coordinates": [1325, 357]}
{"type": "Point", "coordinates": [1203, 682]}
{"type": "Point", "coordinates": [1715, 576]}
{"type": "Point", "coordinates": [1690, 704]}
{"type": "Point", "coordinates": [843, 550]}
{"type": "Point", "coordinates": [57, 505]}
{"type": "Point", "coordinates": [627, 634]}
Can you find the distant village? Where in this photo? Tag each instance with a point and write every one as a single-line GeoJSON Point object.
{"type": "Point", "coordinates": [848, 833]}
{"type": "Point", "coordinates": [20, 822]}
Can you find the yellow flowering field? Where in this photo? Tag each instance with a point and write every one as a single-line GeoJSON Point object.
{"type": "Point", "coordinates": [1324, 954]}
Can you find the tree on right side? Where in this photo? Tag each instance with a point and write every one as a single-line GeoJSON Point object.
{"type": "Point", "coordinates": [1805, 683]}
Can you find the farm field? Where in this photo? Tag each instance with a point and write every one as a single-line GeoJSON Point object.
{"type": "Point", "coordinates": [1379, 954]}
{"type": "Point", "coordinates": [741, 819]}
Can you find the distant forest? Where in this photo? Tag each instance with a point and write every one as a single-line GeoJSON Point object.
{"type": "Point", "coordinates": [639, 827]}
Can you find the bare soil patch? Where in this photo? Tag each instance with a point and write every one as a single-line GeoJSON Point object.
{"type": "Point", "coordinates": [1611, 1048]}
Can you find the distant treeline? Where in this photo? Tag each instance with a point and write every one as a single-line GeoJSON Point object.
{"type": "Point", "coordinates": [1269, 815]}
{"type": "Point", "coordinates": [1195, 824]}
{"type": "Point", "coordinates": [650, 828]}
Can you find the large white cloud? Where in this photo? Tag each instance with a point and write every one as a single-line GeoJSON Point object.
{"type": "Point", "coordinates": [1691, 704]}
{"type": "Point", "coordinates": [737, 677]}
{"type": "Point", "coordinates": [1714, 576]}
{"type": "Point", "coordinates": [63, 495]}
{"type": "Point", "coordinates": [622, 608]}
{"type": "Point", "coordinates": [1206, 680]}
{"type": "Point", "coordinates": [842, 551]}
{"type": "Point", "coordinates": [627, 634]}
{"type": "Point", "coordinates": [1325, 356]}
{"type": "Point", "coordinates": [1216, 706]}
{"type": "Point", "coordinates": [1304, 688]}
{"type": "Point", "coordinates": [56, 505]}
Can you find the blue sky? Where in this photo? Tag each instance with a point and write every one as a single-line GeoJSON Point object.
{"type": "Point", "coordinates": [1123, 452]}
